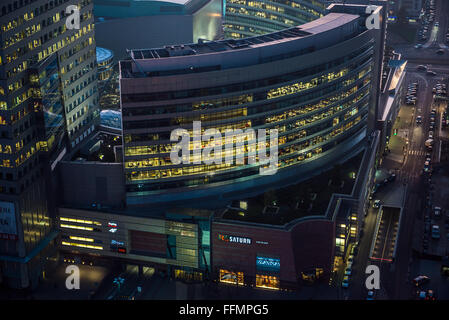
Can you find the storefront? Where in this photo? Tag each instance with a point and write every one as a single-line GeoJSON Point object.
{"type": "Point", "coordinates": [270, 257]}
{"type": "Point", "coordinates": [231, 277]}
{"type": "Point", "coordinates": [176, 243]}
{"type": "Point", "coordinates": [188, 275]}
{"type": "Point", "coordinates": [267, 281]}
{"type": "Point", "coordinates": [255, 257]}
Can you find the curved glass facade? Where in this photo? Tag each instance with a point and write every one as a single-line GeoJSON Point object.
{"type": "Point", "coordinates": [245, 18]}
{"type": "Point", "coordinates": [318, 100]}
{"type": "Point", "coordinates": [105, 59]}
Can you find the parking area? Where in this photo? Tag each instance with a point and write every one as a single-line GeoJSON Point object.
{"type": "Point", "coordinates": [435, 224]}
{"type": "Point", "coordinates": [436, 282]}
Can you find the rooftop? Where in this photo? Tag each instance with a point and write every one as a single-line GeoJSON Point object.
{"type": "Point", "coordinates": [308, 198]}
{"type": "Point", "coordinates": [330, 21]}
{"type": "Point", "coordinates": [103, 54]}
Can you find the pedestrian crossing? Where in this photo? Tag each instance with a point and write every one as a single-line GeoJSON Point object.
{"type": "Point", "coordinates": [406, 176]}
{"type": "Point", "coordinates": [417, 152]}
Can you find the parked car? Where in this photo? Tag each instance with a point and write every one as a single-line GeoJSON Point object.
{"type": "Point", "coordinates": [348, 271]}
{"type": "Point", "coordinates": [418, 119]}
{"type": "Point", "coordinates": [355, 248]}
{"type": "Point", "coordinates": [426, 166]}
{"type": "Point", "coordinates": [437, 212]}
{"type": "Point", "coordinates": [436, 232]}
{"type": "Point", "coordinates": [351, 259]}
{"type": "Point", "coordinates": [421, 295]}
{"type": "Point", "coordinates": [345, 282]}
{"type": "Point", "coordinates": [376, 204]}
{"type": "Point", "coordinates": [421, 68]}
{"type": "Point", "coordinates": [430, 295]}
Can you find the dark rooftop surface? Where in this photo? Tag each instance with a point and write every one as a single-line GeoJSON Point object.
{"type": "Point", "coordinates": [100, 148]}
{"type": "Point", "coordinates": [308, 198]}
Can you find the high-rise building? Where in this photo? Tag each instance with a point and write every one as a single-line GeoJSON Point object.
{"type": "Point", "coordinates": [48, 106]}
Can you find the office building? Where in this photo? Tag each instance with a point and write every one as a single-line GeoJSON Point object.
{"type": "Point", "coordinates": [48, 106]}
{"type": "Point", "coordinates": [316, 83]}
{"type": "Point", "coordinates": [245, 18]}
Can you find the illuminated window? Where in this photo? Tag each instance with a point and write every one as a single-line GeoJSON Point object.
{"type": "Point", "coordinates": [80, 221]}
{"type": "Point", "coordinates": [268, 282]}
{"type": "Point", "coordinates": [81, 239]}
{"type": "Point", "coordinates": [81, 245]}
{"type": "Point", "coordinates": [231, 277]}
{"type": "Point", "coordinates": [76, 227]}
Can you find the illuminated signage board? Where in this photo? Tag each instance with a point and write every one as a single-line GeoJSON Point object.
{"type": "Point", "coordinates": [234, 239]}
{"type": "Point", "coordinates": [113, 227]}
{"type": "Point", "coordinates": [268, 263]}
{"type": "Point", "coordinates": [117, 243]}
{"type": "Point", "coordinates": [8, 228]}
{"type": "Point", "coordinates": [118, 246]}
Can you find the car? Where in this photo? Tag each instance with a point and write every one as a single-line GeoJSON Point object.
{"type": "Point", "coordinates": [419, 119]}
{"type": "Point", "coordinates": [426, 166]}
{"type": "Point", "coordinates": [355, 248]}
{"type": "Point", "coordinates": [348, 271]}
{"type": "Point", "coordinates": [345, 282]}
{"type": "Point", "coordinates": [434, 111]}
{"type": "Point", "coordinates": [437, 212]}
{"type": "Point", "coordinates": [421, 68]}
{"type": "Point", "coordinates": [418, 46]}
{"type": "Point", "coordinates": [351, 259]}
{"type": "Point", "coordinates": [420, 280]}
{"type": "Point", "coordinates": [431, 73]}
{"type": "Point", "coordinates": [421, 295]}
{"type": "Point", "coordinates": [392, 177]}
{"type": "Point", "coordinates": [430, 295]}
{"type": "Point", "coordinates": [376, 204]}
{"type": "Point", "coordinates": [435, 232]}
{"type": "Point", "coordinates": [370, 295]}
{"type": "Point", "coordinates": [430, 134]}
